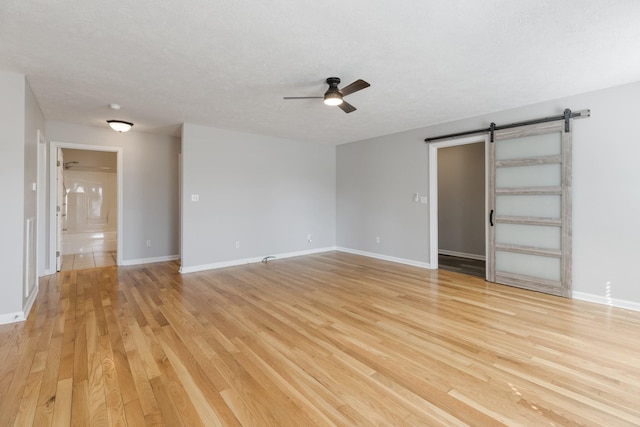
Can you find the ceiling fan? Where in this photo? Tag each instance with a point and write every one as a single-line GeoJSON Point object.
{"type": "Point", "coordinates": [334, 95]}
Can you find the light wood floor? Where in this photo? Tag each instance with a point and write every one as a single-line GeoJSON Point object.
{"type": "Point", "coordinates": [321, 340]}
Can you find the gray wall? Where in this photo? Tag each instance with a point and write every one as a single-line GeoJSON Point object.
{"type": "Point", "coordinates": [12, 150]}
{"type": "Point", "coordinates": [376, 183]}
{"type": "Point", "coordinates": [461, 204]}
{"type": "Point", "coordinates": [376, 176]}
{"type": "Point", "coordinates": [267, 193]}
{"type": "Point", "coordinates": [34, 121]}
{"type": "Point", "coordinates": [150, 175]}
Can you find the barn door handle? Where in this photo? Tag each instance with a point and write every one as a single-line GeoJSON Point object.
{"type": "Point", "coordinates": [491, 217]}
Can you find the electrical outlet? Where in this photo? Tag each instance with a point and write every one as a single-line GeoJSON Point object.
{"type": "Point", "coordinates": [237, 244]}
{"type": "Point", "coordinates": [195, 197]}
{"type": "Point", "coordinates": [377, 239]}
{"type": "Point", "coordinates": [309, 238]}
{"type": "Point", "coordinates": [148, 243]}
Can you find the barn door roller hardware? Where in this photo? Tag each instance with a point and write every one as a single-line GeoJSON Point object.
{"type": "Point", "coordinates": [566, 117]}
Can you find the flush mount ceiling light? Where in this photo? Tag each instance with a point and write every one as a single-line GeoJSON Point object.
{"type": "Point", "coordinates": [119, 125]}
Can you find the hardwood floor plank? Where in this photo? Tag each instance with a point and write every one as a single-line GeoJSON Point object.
{"type": "Point", "coordinates": [16, 378]}
{"type": "Point", "coordinates": [146, 398]}
{"type": "Point", "coordinates": [48, 390]}
{"type": "Point", "coordinates": [194, 387]}
{"type": "Point", "coordinates": [170, 415]}
{"type": "Point", "coordinates": [62, 408]}
{"type": "Point", "coordinates": [134, 415]}
{"type": "Point", "coordinates": [28, 403]}
{"type": "Point", "coordinates": [331, 339]}
{"type": "Point", "coordinates": [80, 404]}
{"type": "Point", "coordinates": [112, 389]}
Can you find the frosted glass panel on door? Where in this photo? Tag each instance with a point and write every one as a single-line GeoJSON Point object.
{"type": "Point", "coordinates": [528, 235]}
{"type": "Point", "coordinates": [548, 144]}
{"type": "Point", "coordinates": [539, 267]}
{"type": "Point", "coordinates": [529, 176]}
{"type": "Point", "coordinates": [528, 206]}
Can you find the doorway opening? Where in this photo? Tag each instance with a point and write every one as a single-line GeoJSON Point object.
{"type": "Point", "coordinates": [458, 205]}
{"type": "Point", "coordinates": [86, 206]}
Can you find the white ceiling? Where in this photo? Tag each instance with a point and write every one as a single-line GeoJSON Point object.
{"type": "Point", "coordinates": [228, 64]}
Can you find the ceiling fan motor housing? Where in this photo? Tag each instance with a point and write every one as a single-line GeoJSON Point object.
{"type": "Point", "coordinates": [333, 83]}
{"type": "Point", "coordinates": [333, 96]}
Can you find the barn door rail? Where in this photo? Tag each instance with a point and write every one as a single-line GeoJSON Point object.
{"type": "Point", "coordinates": [566, 116]}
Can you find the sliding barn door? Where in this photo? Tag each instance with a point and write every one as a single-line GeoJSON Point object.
{"type": "Point", "coordinates": [530, 208]}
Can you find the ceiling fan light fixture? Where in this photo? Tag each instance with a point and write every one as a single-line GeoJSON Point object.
{"type": "Point", "coordinates": [120, 126]}
{"type": "Point", "coordinates": [332, 98]}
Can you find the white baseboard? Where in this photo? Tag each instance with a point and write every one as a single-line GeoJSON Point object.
{"type": "Point", "coordinates": [245, 261]}
{"type": "Point", "coordinates": [386, 258]}
{"type": "Point", "coordinates": [620, 303]}
{"type": "Point", "coordinates": [461, 254]}
{"type": "Point", "coordinates": [32, 298]}
{"type": "Point", "coordinates": [18, 316]}
{"type": "Point", "coordinates": [149, 260]}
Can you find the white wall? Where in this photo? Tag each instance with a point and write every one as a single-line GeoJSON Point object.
{"type": "Point", "coordinates": [267, 193]}
{"type": "Point", "coordinates": [150, 175]}
{"type": "Point", "coordinates": [375, 178]}
{"type": "Point", "coordinates": [461, 204]}
{"type": "Point", "coordinates": [12, 156]}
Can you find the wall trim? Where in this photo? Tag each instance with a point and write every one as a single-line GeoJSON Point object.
{"type": "Point", "coordinates": [7, 318]}
{"type": "Point", "coordinates": [234, 262]}
{"type": "Point", "coordinates": [613, 302]}
{"type": "Point", "coordinates": [433, 190]}
{"type": "Point", "coordinates": [386, 258]}
{"type": "Point", "coordinates": [53, 156]}
{"type": "Point", "coordinates": [32, 298]}
{"type": "Point", "coordinates": [149, 260]}
{"type": "Point", "coordinates": [462, 255]}
{"type": "Point", "coordinates": [21, 316]}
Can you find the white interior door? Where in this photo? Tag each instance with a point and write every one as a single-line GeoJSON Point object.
{"type": "Point", "coordinates": [60, 208]}
{"type": "Point", "coordinates": [530, 208]}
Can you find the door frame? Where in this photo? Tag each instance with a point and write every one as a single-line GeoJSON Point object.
{"type": "Point", "coordinates": [53, 149]}
{"type": "Point", "coordinates": [41, 207]}
{"type": "Point", "coordinates": [433, 189]}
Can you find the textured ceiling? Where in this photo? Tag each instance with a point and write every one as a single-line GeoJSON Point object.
{"type": "Point", "coordinates": [228, 64]}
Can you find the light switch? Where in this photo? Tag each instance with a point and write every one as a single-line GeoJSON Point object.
{"type": "Point", "coordinates": [195, 197]}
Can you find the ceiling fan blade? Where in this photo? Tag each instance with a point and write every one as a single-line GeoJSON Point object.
{"type": "Point", "coordinates": [346, 107]}
{"type": "Point", "coordinates": [302, 97]}
{"type": "Point", "coordinates": [354, 87]}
